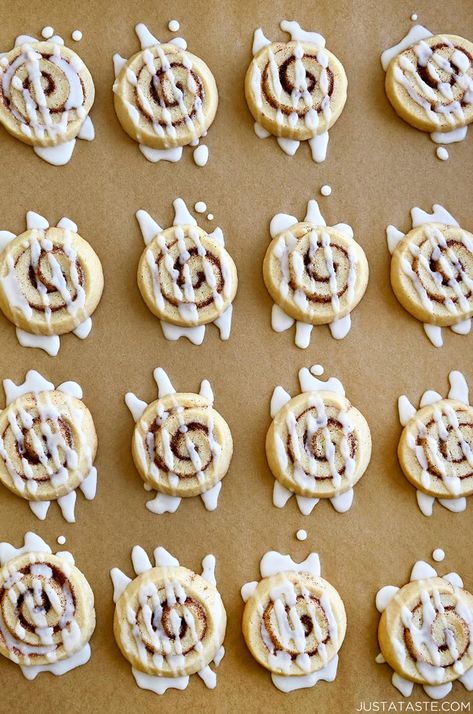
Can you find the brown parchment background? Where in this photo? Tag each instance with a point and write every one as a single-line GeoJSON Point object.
{"type": "Point", "coordinates": [378, 167]}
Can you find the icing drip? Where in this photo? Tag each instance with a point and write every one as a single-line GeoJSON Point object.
{"type": "Point", "coordinates": [59, 451]}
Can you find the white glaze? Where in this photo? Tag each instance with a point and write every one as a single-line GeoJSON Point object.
{"type": "Point", "coordinates": [438, 555]}
{"type": "Point", "coordinates": [326, 190]}
{"type": "Point", "coordinates": [441, 153]}
{"type": "Point", "coordinates": [301, 534]}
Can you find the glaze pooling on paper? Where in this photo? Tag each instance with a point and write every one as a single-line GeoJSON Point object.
{"type": "Point", "coordinates": [291, 634]}
{"type": "Point", "coordinates": [148, 452]}
{"type": "Point", "coordinates": [310, 381]}
{"type": "Point", "coordinates": [42, 122]}
{"type": "Point", "coordinates": [428, 446]}
{"type": "Point", "coordinates": [22, 428]}
{"type": "Point", "coordinates": [73, 297]}
{"type": "Point", "coordinates": [42, 589]}
{"type": "Point", "coordinates": [183, 617]}
{"type": "Point", "coordinates": [160, 114]}
{"type": "Point", "coordinates": [299, 280]}
{"type": "Point", "coordinates": [420, 630]}
{"type": "Point", "coordinates": [445, 278]}
{"type": "Point", "coordinates": [170, 259]}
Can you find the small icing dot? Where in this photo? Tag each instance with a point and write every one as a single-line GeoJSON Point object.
{"type": "Point", "coordinates": [200, 207]}
{"type": "Point", "coordinates": [201, 155]}
{"type": "Point", "coordinates": [317, 370]}
{"type": "Point", "coordinates": [147, 487]}
{"type": "Point", "coordinates": [301, 534]}
{"type": "Point", "coordinates": [47, 32]}
{"type": "Point", "coordinates": [76, 35]}
{"type": "Point", "coordinates": [326, 190]}
{"type": "Point", "coordinates": [442, 153]}
{"type": "Point", "coordinates": [438, 555]}
{"type": "Point", "coordinates": [61, 540]}
{"type": "Point", "coordinates": [210, 216]}
{"type": "Point", "coordinates": [173, 25]}
{"type": "Point", "coordinates": [414, 17]}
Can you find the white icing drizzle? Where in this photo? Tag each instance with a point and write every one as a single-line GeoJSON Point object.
{"type": "Point", "coordinates": [407, 412]}
{"type": "Point", "coordinates": [201, 155]}
{"type": "Point", "coordinates": [280, 321]}
{"type": "Point", "coordinates": [49, 417]}
{"type": "Point", "coordinates": [141, 564]}
{"type": "Point", "coordinates": [69, 626]}
{"type": "Point", "coordinates": [421, 634]}
{"type": "Point", "coordinates": [415, 34]}
{"type": "Point", "coordinates": [183, 217]}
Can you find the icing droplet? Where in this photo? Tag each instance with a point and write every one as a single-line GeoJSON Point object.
{"type": "Point", "coordinates": [438, 555]}
{"type": "Point", "coordinates": [201, 155]}
{"type": "Point", "coordinates": [442, 153]}
{"type": "Point", "coordinates": [326, 190]}
{"type": "Point", "coordinates": [77, 35]}
{"type": "Point", "coordinates": [61, 539]}
{"type": "Point", "coordinates": [200, 207]}
{"type": "Point", "coordinates": [210, 217]}
{"type": "Point", "coordinates": [301, 534]}
{"type": "Point", "coordinates": [173, 25]}
{"type": "Point", "coordinates": [413, 17]}
{"type": "Point", "coordinates": [47, 32]}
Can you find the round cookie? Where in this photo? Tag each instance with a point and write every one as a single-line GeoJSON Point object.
{"type": "Point", "coordinates": [185, 277]}
{"type": "Point", "coordinates": [165, 96]}
{"type": "Point", "coordinates": [51, 281]}
{"type": "Point", "coordinates": [188, 622]}
{"type": "Point", "coordinates": [46, 609]}
{"type": "Point", "coordinates": [48, 444]}
{"type": "Point", "coordinates": [316, 274]}
{"type": "Point", "coordinates": [52, 110]}
{"type": "Point", "coordinates": [295, 90]}
{"type": "Point", "coordinates": [294, 623]}
{"type": "Point", "coordinates": [436, 449]}
{"type": "Point", "coordinates": [426, 630]}
{"type": "Point", "coordinates": [432, 273]}
{"type": "Point", "coordinates": [318, 445]}
{"type": "Point", "coordinates": [430, 84]}
{"type": "Point", "coordinates": [181, 445]}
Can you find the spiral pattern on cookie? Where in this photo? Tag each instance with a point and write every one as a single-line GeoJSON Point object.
{"type": "Point", "coordinates": [436, 449]}
{"type": "Point", "coordinates": [432, 273]}
{"type": "Point", "coordinates": [46, 93]}
{"type": "Point", "coordinates": [318, 445]}
{"type": "Point", "coordinates": [294, 623]}
{"type": "Point", "coordinates": [47, 445]}
{"type": "Point", "coordinates": [181, 445]}
{"type": "Point", "coordinates": [185, 277]}
{"type": "Point", "coordinates": [46, 609]}
{"type": "Point", "coordinates": [50, 281]}
{"type": "Point", "coordinates": [425, 632]}
{"type": "Point", "coordinates": [295, 89]}
{"type": "Point", "coordinates": [170, 622]}
{"type": "Point", "coordinates": [165, 96]}
{"type": "Point", "coordinates": [431, 83]}
{"type": "Point", "coordinates": [315, 274]}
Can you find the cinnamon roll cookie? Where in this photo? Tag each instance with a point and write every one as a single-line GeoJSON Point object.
{"type": "Point", "coordinates": [432, 271]}
{"type": "Point", "coordinates": [426, 632]}
{"type": "Point", "coordinates": [51, 282]}
{"type": "Point", "coordinates": [429, 82]}
{"type": "Point", "coordinates": [47, 614]}
{"type": "Point", "coordinates": [294, 621]}
{"type": "Point", "coordinates": [182, 447]}
{"type": "Point", "coordinates": [48, 444]}
{"type": "Point", "coordinates": [169, 621]}
{"type": "Point", "coordinates": [318, 444]}
{"type": "Point", "coordinates": [46, 94]}
{"type": "Point", "coordinates": [436, 446]}
{"type": "Point", "coordinates": [186, 277]}
{"type": "Point", "coordinates": [165, 98]}
{"type": "Point", "coordinates": [315, 274]}
{"type": "Point", "coordinates": [295, 90]}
